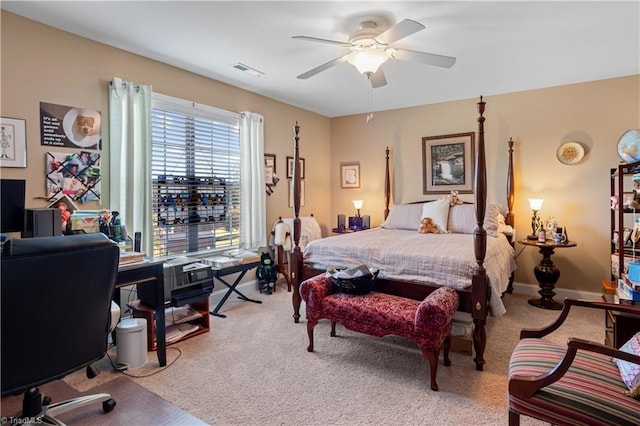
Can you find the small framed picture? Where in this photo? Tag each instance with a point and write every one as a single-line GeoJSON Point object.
{"type": "Point", "coordinates": [350, 175]}
{"type": "Point", "coordinates": [269, 168]}
{"type": "Point", "coordinates": [13, 142]}
{"type": "Point", "coordinates": [290, 168]}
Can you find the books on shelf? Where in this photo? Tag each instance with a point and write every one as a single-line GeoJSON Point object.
{"type": "Point", "coordinates": [177, 315]}
{"type": "Point", "coordinates": [626, 290]}
{"type": "Point", "coordinates": [176, 332]}
{"type": "Point", "coordinates": [127, 257]}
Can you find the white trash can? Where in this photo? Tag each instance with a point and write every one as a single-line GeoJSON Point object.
{"type": "Point", "coordinates": [131, 342]}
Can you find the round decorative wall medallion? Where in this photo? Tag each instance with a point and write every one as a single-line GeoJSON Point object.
{"type": "Point", "coordinates": [570, 153]}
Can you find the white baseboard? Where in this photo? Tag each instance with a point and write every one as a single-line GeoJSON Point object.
{"type": "Point", "coordinates": [561, 293]}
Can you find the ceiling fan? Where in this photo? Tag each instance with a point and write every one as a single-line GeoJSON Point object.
{"type": "Point", "coordinates": [370, 48]}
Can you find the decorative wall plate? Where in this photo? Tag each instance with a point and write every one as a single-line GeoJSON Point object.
{"type": "Point", "coordinates": [570, 153]}
{"type": "Point", "coordinates": [629, 146]}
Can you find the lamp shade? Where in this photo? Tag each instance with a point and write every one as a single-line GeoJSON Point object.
{"type": "Point", "coordinates": [367, 60]}
{"type": "Point", "coordinates": [358, 204]}
{"type": "Point", "coordinates": [535, 203]}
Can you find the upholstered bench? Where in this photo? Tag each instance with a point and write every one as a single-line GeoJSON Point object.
{"type": "Point", "coordinates": [427, 323]}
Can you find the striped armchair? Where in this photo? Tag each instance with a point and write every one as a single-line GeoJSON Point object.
{"type": "Point", "coordinates": [572, 384]}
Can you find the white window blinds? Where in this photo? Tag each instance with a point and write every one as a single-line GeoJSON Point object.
{"type": "Point", "coordinates": [196, 177]}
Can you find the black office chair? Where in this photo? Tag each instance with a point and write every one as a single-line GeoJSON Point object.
{"type": "Point", "coordinates": [56, 307]}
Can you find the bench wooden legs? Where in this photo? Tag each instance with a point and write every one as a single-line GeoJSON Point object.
{"type": "Point", "coordinates": [432, 358]}
{"type": "Point", "coordinates": [310, 326]}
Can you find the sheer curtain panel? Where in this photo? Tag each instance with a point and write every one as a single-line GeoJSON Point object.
{"type": "Point", "coordinates": [130, 157]}
{"type": "Point", "coordinates": [253, 214]}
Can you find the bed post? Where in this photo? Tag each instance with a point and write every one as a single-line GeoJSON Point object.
{"type": "Point", "coordinates": [480, 284]}
{"type": "Point", "coordinates": [387, 185]}
{"type": "Point", "coordinates": [510, 220]}
{"type": "Point", "coordinates": [296, 255]}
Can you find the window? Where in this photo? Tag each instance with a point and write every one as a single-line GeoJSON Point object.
{"type": "Point", "coordinates": [195, 162]}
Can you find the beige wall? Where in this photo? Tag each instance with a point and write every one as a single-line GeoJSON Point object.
{"type": "Point", "coordinates": [595, 114]}
{"type": "Point", "coordinates": [40, 63]}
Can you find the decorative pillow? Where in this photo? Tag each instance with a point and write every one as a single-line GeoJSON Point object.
{"type": "Point", "coordinates": [629, 371]}
{"type": "Point", "coordinates": [462, 218]}
{"type": "Point", "coordinates": [404, 216]}
{"type": "Point", "coordinates": [437, 210]}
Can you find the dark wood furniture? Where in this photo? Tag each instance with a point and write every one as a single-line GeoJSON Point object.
{"type": "Point", "coordinates": [620, 326]}
{"type": "Point", "coordinates": [475, 299]}
{"type": "Point", "coordinates": [570, 383]}
{"type": "Point", "coordinates": [148, 313]}
{"type": "Point", "coordinates": [546, 273]}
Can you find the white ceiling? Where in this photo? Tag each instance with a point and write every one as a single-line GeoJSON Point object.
{"type": "Point", "coordinates": [500, 47]}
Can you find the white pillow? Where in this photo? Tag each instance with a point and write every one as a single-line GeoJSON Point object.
{"type": "Point", "coordinates": [404, 216]}
{"type": "Point", "coordinates": [462, 218]}
{"type": "Point", "coordinates": [437, 210]}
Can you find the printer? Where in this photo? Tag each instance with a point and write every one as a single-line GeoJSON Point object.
{"type": "Point", "coordinates": [185, 280]}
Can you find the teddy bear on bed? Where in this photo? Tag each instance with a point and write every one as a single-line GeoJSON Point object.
{"type": "Point", "coordinates": [428, 227]}
{"type": "Point", "coordinates": [453, 199]}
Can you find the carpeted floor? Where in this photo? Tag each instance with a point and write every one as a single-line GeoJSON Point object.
{"type": "Point", "coordinates": [252, 368]}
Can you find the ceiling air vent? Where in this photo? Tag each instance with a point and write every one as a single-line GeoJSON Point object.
{"type": "Point", "coordinates": [247, 69]}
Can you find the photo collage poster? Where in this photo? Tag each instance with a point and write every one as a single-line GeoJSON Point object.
{"type": "Point", "coordinates": [75, 175]}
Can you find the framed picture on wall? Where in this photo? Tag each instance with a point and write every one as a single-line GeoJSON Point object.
{"type": "Point", "coordinates": [350, 175]}
{"type": "Point", "coordinates": [269, 168]}
{"type": "Point", "coordinates": [290, 168]}
{"type": "Point", "coordinates": [447, 163]}
{"type": "Point", "coordinates": [13, 142]}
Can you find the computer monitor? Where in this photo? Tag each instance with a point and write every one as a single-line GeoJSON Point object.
{"type": "Point", "coordinates": [12, 196]}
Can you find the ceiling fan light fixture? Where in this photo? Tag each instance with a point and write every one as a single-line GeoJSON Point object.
{"type": "Point", "coordinates": [367, 61]}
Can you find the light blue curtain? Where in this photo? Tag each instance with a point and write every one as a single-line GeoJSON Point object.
{"type": "Point", "coordinates": [130, 157]}
{"type": "Point", "coordinates": [253, 213]}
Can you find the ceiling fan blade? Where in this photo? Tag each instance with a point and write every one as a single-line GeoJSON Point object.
{"type": "Point", "coordinates": [424, 58]}
{"type": "Point", "coordinates": [323, 40]}
{"type": "Point", "coordinates": [378, 79]}
{"type": "Point", "coordinates": [399, 31]}
{"type": "Point", "coordinates": [323, 67]}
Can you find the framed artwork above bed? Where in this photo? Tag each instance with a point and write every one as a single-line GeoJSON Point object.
{"type": "Point", "coordinates": [448, 163]}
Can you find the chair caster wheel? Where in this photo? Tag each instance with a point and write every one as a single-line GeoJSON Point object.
{"type": "Point", "coordinates": [108, 405]}
{"type": "Point", "coordinates": [91, 372]}
{"type": "Point", "coordinates": [46, 400]}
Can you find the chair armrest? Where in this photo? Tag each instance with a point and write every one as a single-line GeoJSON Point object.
{"type": "Point", "coordinates": [315, 289]}
{"type": "Point", "coordinates": [568, 303]}
{"type": "Point", "coordinates": [526, 386]}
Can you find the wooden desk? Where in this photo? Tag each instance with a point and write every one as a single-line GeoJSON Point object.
{"type": "Point", "coordinates": [546, 273]}
{"type": "Point", "coordinates": [147, 273]}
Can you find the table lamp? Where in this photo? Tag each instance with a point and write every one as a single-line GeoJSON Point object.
{"type": "Point", "coordinates": [535, 204]}
{"type": "Point", "coordinates": [358, 205]}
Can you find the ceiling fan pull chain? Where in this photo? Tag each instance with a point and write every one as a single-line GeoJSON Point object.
{"type": "Point", "coordinates": [370, 115]}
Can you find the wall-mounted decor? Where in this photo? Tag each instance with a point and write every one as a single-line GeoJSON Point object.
{"type": "Point", "coordinates": [447, 163]}
{"type": "Point", "coordinates": [13, 142]}
{"type": "Point", "coordinates": [76, 175]}
{"type": "Point", "coordinates": [291, 193]}
{"type": "Point", "coordinates": [269, 169]}
{"type": "Point", "coordinates": [350, 175]}
{"type": "Point", "coordinates": [70, 127]}
{"type": "Point", "coordinates": [570, 153]}
{"type": "Point", "coordinates": [290, 168]}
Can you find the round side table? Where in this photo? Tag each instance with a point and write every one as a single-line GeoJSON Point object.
{"type": "Point", "coordinates": [547, 273]}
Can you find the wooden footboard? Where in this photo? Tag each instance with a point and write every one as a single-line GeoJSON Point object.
{"type": "Point", "coordinates": [474, 300]}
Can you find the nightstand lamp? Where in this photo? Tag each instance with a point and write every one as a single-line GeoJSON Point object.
{"type": "Point", "coordinates": [356, 222]}
{"type": "Point", "coordinates": [536, 205]}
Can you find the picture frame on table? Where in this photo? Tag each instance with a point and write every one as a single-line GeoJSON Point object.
{"type": "Point", "coordinates": [290, 168]}
{"type": "Point", "coordinates": [13, 142]}
{"type": "Point", "coordinates": [448, 163]}
{"type": "Point", "coordinates": [350, 175]}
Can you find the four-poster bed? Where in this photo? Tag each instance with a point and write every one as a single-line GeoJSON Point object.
{"type": "Point", "coordinates": [479, 295]}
